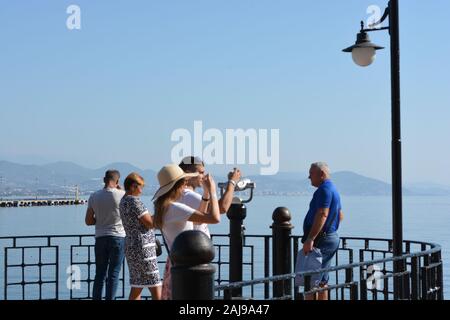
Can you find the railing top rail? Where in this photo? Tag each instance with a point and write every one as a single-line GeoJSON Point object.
{"type": "Point", "coordinates": [431, 248]}
{"type": "Point", "coordinates": [48, 236]}
{"type": "Point", "coordinates": [431, 244]}
{"type": "Point", "coordinates": [384, 240]}
{"type": "Point", "coordinates": [330, 269]}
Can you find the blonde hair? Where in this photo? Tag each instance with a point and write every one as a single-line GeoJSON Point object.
{"type": "Point", "coordinates": [131, 179]}
{"type": "Point", "coordinates": [162, 203]}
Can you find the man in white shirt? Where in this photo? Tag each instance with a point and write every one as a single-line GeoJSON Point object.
{"type": "Point", "coordinates": [195, 200]}
{"type": "Point", "coordinates": [103, 212]}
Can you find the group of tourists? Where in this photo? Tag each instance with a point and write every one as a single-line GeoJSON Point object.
{"type": "Point", "coordinates": [125, 227]}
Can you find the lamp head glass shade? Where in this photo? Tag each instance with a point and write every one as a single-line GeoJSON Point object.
{"type": "Point", "coordinates": [363, 57]}
{"type": "Point", "coordinates": [363, 51]}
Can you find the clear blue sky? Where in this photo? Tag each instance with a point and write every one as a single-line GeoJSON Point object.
{"type": "Point", "coordinates": [116, 89]}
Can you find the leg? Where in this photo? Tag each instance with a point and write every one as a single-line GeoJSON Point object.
{"type": "Point", "coordinates": [311, 297]}
{"type": "Point", "coordinates": [116, 256]}
{"type": "Point", "coordinates": [329, 248]}
{"type": "Point", "coordinates": [156, 292]}
{"type": "Point", "coordinates": [135, 294]}
{"type": "Point", "coordinates": [167, 283]}
{"type": "Point", "coordinates": [101, 265]}
{"type": "Point", "coordinates": [323, 295]}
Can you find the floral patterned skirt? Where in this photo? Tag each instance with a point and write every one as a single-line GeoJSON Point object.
{"type": "Point", "coordinates": [142, 265]}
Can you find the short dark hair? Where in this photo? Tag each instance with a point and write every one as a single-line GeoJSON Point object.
{"type": "Point", "coordinates": [111, 175]}
{"type": "Point", "coordinates": [189, 164]}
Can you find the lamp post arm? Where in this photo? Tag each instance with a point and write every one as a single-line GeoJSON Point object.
{"type": "Point", "coordinates": [373, 25]}
{"type": "Point", "coordinates": [378, 29]}
{"type": "Point", "coordinates": [385, 15]}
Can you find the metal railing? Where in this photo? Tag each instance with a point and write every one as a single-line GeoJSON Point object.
{"type": "Point", "coordinates": [63, 267]}
{"type": "Point", "coordinates": [370, 278]}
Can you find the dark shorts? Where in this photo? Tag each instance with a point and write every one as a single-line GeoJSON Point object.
{"type": "Point", "coordinates": [328, 247]}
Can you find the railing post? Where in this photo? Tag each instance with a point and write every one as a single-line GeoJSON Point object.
{"type": "Point", "coordinates": [5, 277]}
{"type": "Point", "coordinates": [236, 214]}
{"type": "Point", "coordinates": [266, 266]}
{"type": "Point", "coordinates": [406, 286]}
{"type": "Point", "coordinates": [192, 272]}
{"type": "Point", "coordinates": [425, 282]}
{"type": "Point", "coordinates": [281, 250]}
{"type": "Point", "coordinates": [363, 288]}
{"type": "Point", "coordinates": [435, 275]}
{"type": "Point", "coordinates": [354, 291]}
{"type": "Point", "coordinates": [349, 280]}
{"type": "Point", "coordinates": [440, 278]}
{"type": "Point", "coordinates": [307, 288]}
{"type": "Point", "coordinates": [415, 276]}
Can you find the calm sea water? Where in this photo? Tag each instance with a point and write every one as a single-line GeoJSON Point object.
{"type": "Point", "coordinates": [425, 219]}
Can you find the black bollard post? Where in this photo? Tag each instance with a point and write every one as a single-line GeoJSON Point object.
{"type": "Point", "coordinates": [281, 250]}
{"type": "Point", "coordinates": [236, 214]}
{"type": "Point", "coordinates": [192, 272]}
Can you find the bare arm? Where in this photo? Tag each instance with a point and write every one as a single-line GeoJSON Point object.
{"type": "Point", "coordinates": [204, 205]}
{"type": "Point", "coordinates": [227, 198]}
{"type": "Point", "coordinates": [319, 222]}
{"type": "Point", "coordinates": [341, 216]}
{"type": "Point", "coordinates": [90, 217]}
{"type": "Point", "coordinates": [211, 216]}
{"type": "Point", "coordinates": [204, 217]}
{"type": "Point", "coordinates": [147, 221]}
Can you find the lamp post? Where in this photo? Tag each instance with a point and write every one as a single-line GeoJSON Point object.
{"type": "Point", "coordinates": [363, 52]}
{"type": "Point", "coordinates": [1, 188]}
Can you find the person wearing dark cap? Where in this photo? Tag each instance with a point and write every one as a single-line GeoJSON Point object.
{"type": "Point", "coordinates": [103, 212]}
{"type": "Point", "coordinates": [195, 200]}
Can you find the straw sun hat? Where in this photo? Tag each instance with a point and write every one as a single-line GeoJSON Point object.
{"type": "Point", "coordinates": [168, 176]}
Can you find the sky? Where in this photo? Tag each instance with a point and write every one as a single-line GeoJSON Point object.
{"type": "Point", "coordinates": [116, 89]}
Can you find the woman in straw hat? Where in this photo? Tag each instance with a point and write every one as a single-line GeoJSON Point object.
{"type": "Point", "coordinates": [140, 241]}
{"type": "Point", "coordinates": [173, 217]}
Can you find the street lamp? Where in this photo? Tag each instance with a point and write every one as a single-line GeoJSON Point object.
{"type": "Point", "coordinates": [363, 52]}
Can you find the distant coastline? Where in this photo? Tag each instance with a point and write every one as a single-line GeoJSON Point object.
{"type": "Point", "coordinates": [61, 179]}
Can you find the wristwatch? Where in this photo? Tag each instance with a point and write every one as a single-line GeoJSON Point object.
{"type": "Point", "coordinates": [232, 182]}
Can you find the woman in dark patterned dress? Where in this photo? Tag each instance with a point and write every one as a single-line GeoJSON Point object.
{"type": "Point", "coordinates": [140, 245]}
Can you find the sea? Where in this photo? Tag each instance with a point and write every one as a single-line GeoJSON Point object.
{"type": "Point", "coordinates": [425, 218]}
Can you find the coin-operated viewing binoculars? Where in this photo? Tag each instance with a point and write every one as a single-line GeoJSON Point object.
{"type": "Point", "coordinates": [241, 185]}
{"type": "Point", "coordinates": [237, 214]}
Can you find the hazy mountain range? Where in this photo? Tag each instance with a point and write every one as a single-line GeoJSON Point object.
{"type": "Point", "coordinates": [61, 177]}
{"type": "Point", "coordinates": [58, 176]}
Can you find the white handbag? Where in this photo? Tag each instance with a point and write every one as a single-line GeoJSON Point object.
{"type": "Point", "coordinates": [310, 262]}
